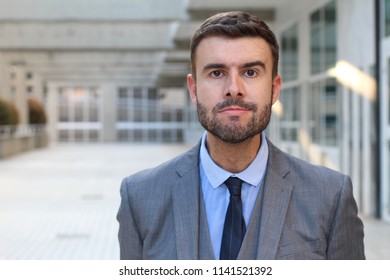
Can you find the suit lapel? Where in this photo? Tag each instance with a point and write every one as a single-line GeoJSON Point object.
{"type": "Point", "coordinates": [186, 214]}
{"type": "Point", "coordinates": [275, 201]}
{"type": "Point", "coordinates": [185, 196]}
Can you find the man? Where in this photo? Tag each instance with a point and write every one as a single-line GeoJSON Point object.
{"type": "Point", "coordinates": [235, 195]}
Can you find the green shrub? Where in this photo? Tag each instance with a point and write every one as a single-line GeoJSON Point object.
{"type": "Point", "coordinates": [36, 112]}
{"type": "Point", "coordinates": [8, 113]}
{"type": "Point", "coordinates": [4, 112]}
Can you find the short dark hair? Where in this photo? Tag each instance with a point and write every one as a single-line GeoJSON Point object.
{"type": "Point", "coordinates": [235, 25]}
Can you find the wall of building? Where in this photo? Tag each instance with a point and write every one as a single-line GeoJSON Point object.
{"type": "Point", "coordinates": [354, 150]}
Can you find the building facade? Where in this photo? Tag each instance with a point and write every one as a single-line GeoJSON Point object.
{"type": "Point", "coordinates": [334, 112]}
{"type": "Point", "coordinates": [115, 71]}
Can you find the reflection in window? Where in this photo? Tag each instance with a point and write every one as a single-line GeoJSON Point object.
{"type": "Point", "coordinates": [324, 112]}
{"type": "Point", "coordinates": [289, 54]}
{"type": "Point", "coordinates": [387, 17]}
{"type": "Point", "coordinates": [323, 38]}
{"type": "Point", "coordinates": [289, 123]}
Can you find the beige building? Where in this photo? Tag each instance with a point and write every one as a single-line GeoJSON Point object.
{"type": "Point", "coordinates": [116, 70]}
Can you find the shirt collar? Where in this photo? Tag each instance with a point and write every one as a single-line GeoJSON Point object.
{"type": "Point", "coordinates": [252, 175]}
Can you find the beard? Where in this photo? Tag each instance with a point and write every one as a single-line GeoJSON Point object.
{"type": "Point", "coordinates": [233, 132]}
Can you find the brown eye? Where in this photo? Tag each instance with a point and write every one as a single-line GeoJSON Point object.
{"type": "Point", "coordinates": [216, 74]}
{"type": "Point", "coordinates": [251, 73]}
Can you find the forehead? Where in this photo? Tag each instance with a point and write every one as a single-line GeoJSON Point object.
{"type": "Point", "coordinates": [220, 49]}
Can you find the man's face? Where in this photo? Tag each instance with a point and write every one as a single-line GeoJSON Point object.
{"type": "Point", "coordinates": [234, 88]}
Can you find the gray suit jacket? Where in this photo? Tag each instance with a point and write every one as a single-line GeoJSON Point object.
{"type": "Point", "coordinates": [302, 212]}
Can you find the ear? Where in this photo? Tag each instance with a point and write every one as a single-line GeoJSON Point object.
{"type": "Point", "coordinates": [276, 86]}
{"type": "Point", "coordinates": [191, 84]}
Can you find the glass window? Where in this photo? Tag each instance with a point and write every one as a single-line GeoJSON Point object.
{"type": "Point", "coordinates": [149, 110]}
{"type": "Point", "coordinates": [324, 112]}
{"type": "Point", "coordinates": [387, 17]}
{"type": "Point", "coordinates": [122, 92]}
{"type": "Point", "coordinates": [78, 113]}
{"type": "Point", "coordinates": [330, 35]}
{"type": "Point", "coordinates": [152, 93]}
{"type": "Point", "coordinates": [63, 106]}
{"type": "Point", "coordinates": [323, 43]}
{"type": "Point", "coordinates": [12, 75]}
{"type": "Point", "coordinates": [63, 113]}
{"type": "Point", "coordinates": [81, 105]}
{"type": "Point", "coordinates": [29, 90]}
{"type": "Point", "coordinates": [315, 42]}
{"type": "Point", "coordinates": [93, 105]}
{"type": "Point", "coordinates": [63, 135]}
{"type": "Point", "coordinates": [289, 123]}
{"type": "Point", "coordinates": [29, 76]}
{"type": "Point", "coordinates": [77, 97]}
{"type": "Point", "coordinates": [123, 114]}
{"type": "Point", "coordinates": [13, 92]}
{"type": "Point", "coordinates": [138, 93]}
{"type": "Point", "coordinates": [289, 54]}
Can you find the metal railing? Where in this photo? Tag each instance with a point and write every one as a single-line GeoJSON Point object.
{"type": "Point", "coordinates": [18, 131]}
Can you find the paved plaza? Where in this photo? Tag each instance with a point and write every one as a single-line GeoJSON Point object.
{"type": "Point", "coordinates": [61, 202]}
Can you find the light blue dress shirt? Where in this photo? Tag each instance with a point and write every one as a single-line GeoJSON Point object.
{"type": "Point", "coordinates": [216, 195]}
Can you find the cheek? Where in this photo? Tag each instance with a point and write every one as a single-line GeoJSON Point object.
{"type": "Point", "coordinates": [206, 94]}
{"type": "Point", "coordinates": [260, 93]}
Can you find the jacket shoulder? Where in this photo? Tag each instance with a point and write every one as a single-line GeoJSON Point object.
{"type": "Point", "coordinates": [300, 170]}
{"type": "Point", "coordinates": [165, 173]}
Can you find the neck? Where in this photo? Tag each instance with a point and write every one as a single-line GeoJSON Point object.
{"type": "Point", "coordinates": [234, 158]}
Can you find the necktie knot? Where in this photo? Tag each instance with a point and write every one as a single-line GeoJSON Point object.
{"type": "Point", "coordinates": [234, 186]}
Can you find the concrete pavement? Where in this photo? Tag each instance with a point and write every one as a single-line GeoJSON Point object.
{"type": "Point", "coordinates": [61, 202]}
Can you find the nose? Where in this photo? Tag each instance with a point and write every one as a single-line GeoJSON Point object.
{"type": "Point", "coordinates": [234, 86]}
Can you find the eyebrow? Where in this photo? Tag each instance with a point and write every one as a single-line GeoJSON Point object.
{"type": "Point", "coordinates": [245, 65]}
{"type": "Point", "coordinates": [254, 63]}
{"type": "Point", "coordinates": [214, 66]}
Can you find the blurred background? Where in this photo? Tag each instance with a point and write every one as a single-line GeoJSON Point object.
{"type": "Point", "coordinates": [93, 90]}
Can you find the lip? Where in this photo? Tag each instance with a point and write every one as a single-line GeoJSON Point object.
{"type": "Point", "coordinates": [234, 111]}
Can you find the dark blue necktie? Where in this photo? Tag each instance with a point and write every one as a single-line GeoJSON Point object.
{"type": "Point", "coordinates": [234, 228]}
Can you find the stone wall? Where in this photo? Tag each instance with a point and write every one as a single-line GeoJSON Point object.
{"type": "Point", "coordinates": [22, 140]}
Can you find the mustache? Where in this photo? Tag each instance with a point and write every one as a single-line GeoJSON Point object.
{"type": "Point", "coordinates": [235, 102]}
